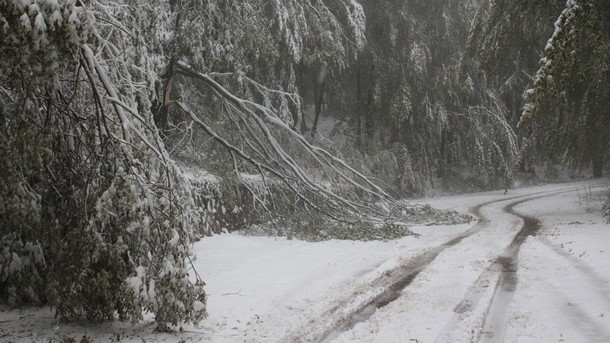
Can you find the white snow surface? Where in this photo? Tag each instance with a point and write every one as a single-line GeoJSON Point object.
{"type": "Point", "coordinates": [277, 290]}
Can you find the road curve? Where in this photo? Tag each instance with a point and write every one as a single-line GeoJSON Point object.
{"type": "Point", "coordinates": [358, 306]}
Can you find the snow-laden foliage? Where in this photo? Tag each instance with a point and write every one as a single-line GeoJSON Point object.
{"type": "Point", "coordinates": [95, 218]}
{"type": "Point", "coordinates": [414, 98]}
{"type": "Point", "coordinates": [318, 228]}
{"type": "Point", "coordinates": [558, 51]}
{"type": "Point", "coordinates": [494, 144]}
{"type": "Point", "coordinates": [566, 101]}
{"type": "Point", "coordinates": [98, 98]}
{"type": "Point", "coordinates": [20, 264]}
{"type": "Point", "coordinates": [244, 120]}
{"type": "Point", "coordinates": [92, 95]}
{"type": "Point", "coordinates": [329, 31]}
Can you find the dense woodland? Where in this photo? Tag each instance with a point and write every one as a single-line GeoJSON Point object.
{"type": "Point", "coordinates": [130, 129]}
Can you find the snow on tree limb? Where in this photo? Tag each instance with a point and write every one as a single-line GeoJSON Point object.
{"type": "Point", "coordinates": [112, 214]}
{"type": "Point", "coordinates": [288, 168]}
{"type": "Point", "coordinates": [557, 52]}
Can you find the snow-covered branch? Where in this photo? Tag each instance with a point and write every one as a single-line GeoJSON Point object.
{"type": "Point", "coordinates": [273, 158]}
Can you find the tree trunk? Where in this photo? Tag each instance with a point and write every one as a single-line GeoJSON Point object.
{"type": "Point", "coordinates": [443, 158]}
{"type": "Point", "coordinates": [162, 116]}
{"type": "Point", "coordinates": [299, 121]}
{"type": "Point", "coordinates": [598, 167]}
{"type": "Point", "coordinates": [358, 111]}
{"type": "Point", "coordinates": [319, 102]}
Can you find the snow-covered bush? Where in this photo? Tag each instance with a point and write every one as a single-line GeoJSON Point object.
{"type": "Point", "coordinates": [21, 271]}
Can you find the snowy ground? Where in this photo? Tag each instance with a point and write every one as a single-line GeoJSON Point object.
{"type": "Point", "coordinates": [480, 282]}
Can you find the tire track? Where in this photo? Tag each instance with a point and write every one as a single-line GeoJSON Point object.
{"type": "Point", "coordinates": [502, 272]}
{"type": "Point", "coordinates": [599, 282]}
{"type": "Point", "coordinates": [362, 304]}
{"type": "Point", "coordinates": [494, 324]}
{"type": "Point", "coordinates": [590, 285]}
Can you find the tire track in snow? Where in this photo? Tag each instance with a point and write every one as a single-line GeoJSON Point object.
{"type": "Point", "coordinates": [601, 284]}
{"type": "Point", "coordinates": [502, 272]}
{"type": "Point", "coordinates": [494, 324]}
{"type": "Point", "coordinates": [501, 275]}
{"type": "Point", "coordinates": [362, 304]}
{"type": "Point", "coordinates": [589, 284]}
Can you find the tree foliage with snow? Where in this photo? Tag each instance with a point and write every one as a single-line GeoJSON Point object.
{"type": "Point", "coordinates": [416, 101]}
{"type": "Point", "coordinates": [96, 217]}
{"type": "Point", "coordinates": [567, 101]}
{"type": "Point", "coordinates": [94, 212]}
{"type": "Point", "coordinates": [124, 125]}
{"type": "Point", "coordinates": [504, 42]}
{"type": "Point", "coordinates": [248, 115]}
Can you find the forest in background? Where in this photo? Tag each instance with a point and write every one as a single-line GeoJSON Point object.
{"type": "Point", "coordinates": [131, 128]}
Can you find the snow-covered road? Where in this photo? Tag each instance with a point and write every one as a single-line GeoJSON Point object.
{"type": "Point", "coordinates": [534, 267]}
{"type": "Point", "coordinates": [474, 291]}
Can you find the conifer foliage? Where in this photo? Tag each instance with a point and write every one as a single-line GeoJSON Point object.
{"type": "Point", "coordinates": [567, 101]}
{"type": "Point", "coordinates": [95, 219]}
{"type": "Point", "coordinates": [103, 103]}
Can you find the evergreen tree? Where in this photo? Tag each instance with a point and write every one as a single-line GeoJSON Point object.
{"type": "Point", "coordinates": [418, 102]}
{"type": "Point", "coordinates": [96, 217]}
{"type": "Point", "coordinates": [567, 101]}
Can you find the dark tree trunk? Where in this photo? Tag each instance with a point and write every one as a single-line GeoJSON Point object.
{"type": "Point", "coordinates": [300, 122]}
{"type": "Point", "coordinates": [358, 111]}
{"type": "Point", "coordinates": [443, 160]}
{"type": "Point", "coordinates": [161, 117]}
{"type": "Point", "coordinates": [319, 103]}
{"type": "Point", "coordinates": [598, 167]}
